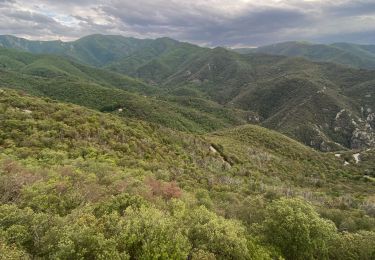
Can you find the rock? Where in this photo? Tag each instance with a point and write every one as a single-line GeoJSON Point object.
{"type": "Point", "coordinates": [356, 157]}
{"type": "Point", "coordinates": [363, 137]}
{"type": "Point", "coordinates": [196, 81]}
{"type": "Point", "coordinates": [254, 118]}
{"type": "Point", "coordinates": [212, 149]}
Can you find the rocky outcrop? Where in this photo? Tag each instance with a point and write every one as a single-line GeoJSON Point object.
{"type": "Point", "coordinates": [314, 136]}
{"type": "Point", "coordinates": [358, 132]}
{"type": "Point", "coordinates": [364, 135]}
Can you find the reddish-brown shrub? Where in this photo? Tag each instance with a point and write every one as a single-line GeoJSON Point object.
{"type": "Point", "coordinates": [167, 190]}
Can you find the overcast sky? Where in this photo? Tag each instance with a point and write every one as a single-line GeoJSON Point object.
{"type": "Point", "coordinates": [211, 22]}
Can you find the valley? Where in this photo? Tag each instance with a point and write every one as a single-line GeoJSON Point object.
{"type": "Point", "coordinates": [324, 105]}
{"type": "Point", "coordinates": [123, 148]}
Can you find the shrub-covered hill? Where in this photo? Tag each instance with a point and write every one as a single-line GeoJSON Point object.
{"type": "Point", "coordinates": [68, 81]}
{"type": "Point", "coordinates": [102, 50]}
{"type": "Point", "coordinates": [353, 55]}
{"type": "Point", "coordinates": [49, 66]}
{"type": "Point", "coordinates": [76, 183]}
{"type": "Point", "coordinates": [324, 105]}
{"type": "Point", "coordinates": [95, 50]}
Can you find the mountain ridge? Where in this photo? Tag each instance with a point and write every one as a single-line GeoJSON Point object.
{"type": "Point", "coordinates": [266, 87]}
{"type": "Point", "coordinates": [66, 80]}
{"type": "Point", "coordinates": [349, 54]}
{"type": "Point", "coordinates": [154, 157]}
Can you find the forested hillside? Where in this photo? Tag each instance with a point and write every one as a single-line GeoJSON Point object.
{"type": "Point", "coordinates": [77, 183]}
{"type": "Point", "coordinates": [187, 130]}
{"type": "Point", "coordinates": [106, 91]}
{"type": "Point", "coordinates": [324, 105]}
{"type": "Point", "coordinates": [353, 55]}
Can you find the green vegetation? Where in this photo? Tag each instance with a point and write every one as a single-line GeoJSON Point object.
{"type": "Point", "coordinates": [353, 55]}
{"type": "Point", "coordinates": [291, 95]}
{"type": "Point", "coordinates": [151, 156]}
{"type": "Point", "coordinates": [95, 50]}
{"type": "Point", "coordinates": [76, 183]}
{"type": "Point", "coordinates": [64, 80]}
{"type": "Point", "coordinates": [324, 105]}
{"type": "Point", "coordinates": [297, 230]}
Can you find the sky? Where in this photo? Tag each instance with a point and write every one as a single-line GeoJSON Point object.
{"type": "Point", "coordinates": [230, 23]}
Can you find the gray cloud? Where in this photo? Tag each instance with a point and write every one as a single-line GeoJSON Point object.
{"type": "Point", "coordinates": [353, 8]}
{"type": "Point", "coordinates": [4, 3]}
{"type": "Point", "coordinates": [209, 22]}
{"type": "Point", "coordinates": [365, 36]}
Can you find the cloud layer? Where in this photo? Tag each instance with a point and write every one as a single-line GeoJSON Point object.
{"type": "Point", "coordinates": [208, 22]}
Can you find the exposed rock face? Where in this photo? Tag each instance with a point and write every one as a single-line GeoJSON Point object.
{"type": "Point", "coordinates": [363, 138]}
{"type": "Point", "coordinates": [343, 126]}
{"type": "Point", "coordinates": [370, 119]}
{"type": "Point", "coordinates": [346, 131]}
{"type": "Point", "coordinates": [314, 136]}
{"type": "Point", "coordinates": [364, 134]}
{"type": "Point", "coordinates": [359, 133]}
{"type": "Point", "coordinates": [356, 157]}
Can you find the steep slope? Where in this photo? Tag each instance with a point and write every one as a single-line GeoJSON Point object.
{"type": "Point", "coordinates": [292, 95]}
{"type": "Point", "coordinates": [324, 105]}
{"type": "Point", "coordinates": [75, 182]}
{"type": "Point", "coordinates": [48, 66]}
{"type": "Point", "coordinates": [96, 50]}
{"type": "Point", "coordinates": [65, 80]}
{"type": "Point", "coordinates": [313, 102]}
{"type": "Point", "coordinates": [52, 126]}
{"type": "Point", "coordinates": [136, 57]}
{"type": "Point", "coordinates": [156, 60]}
{"type": "Point", "coordinates": [354, 55]}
